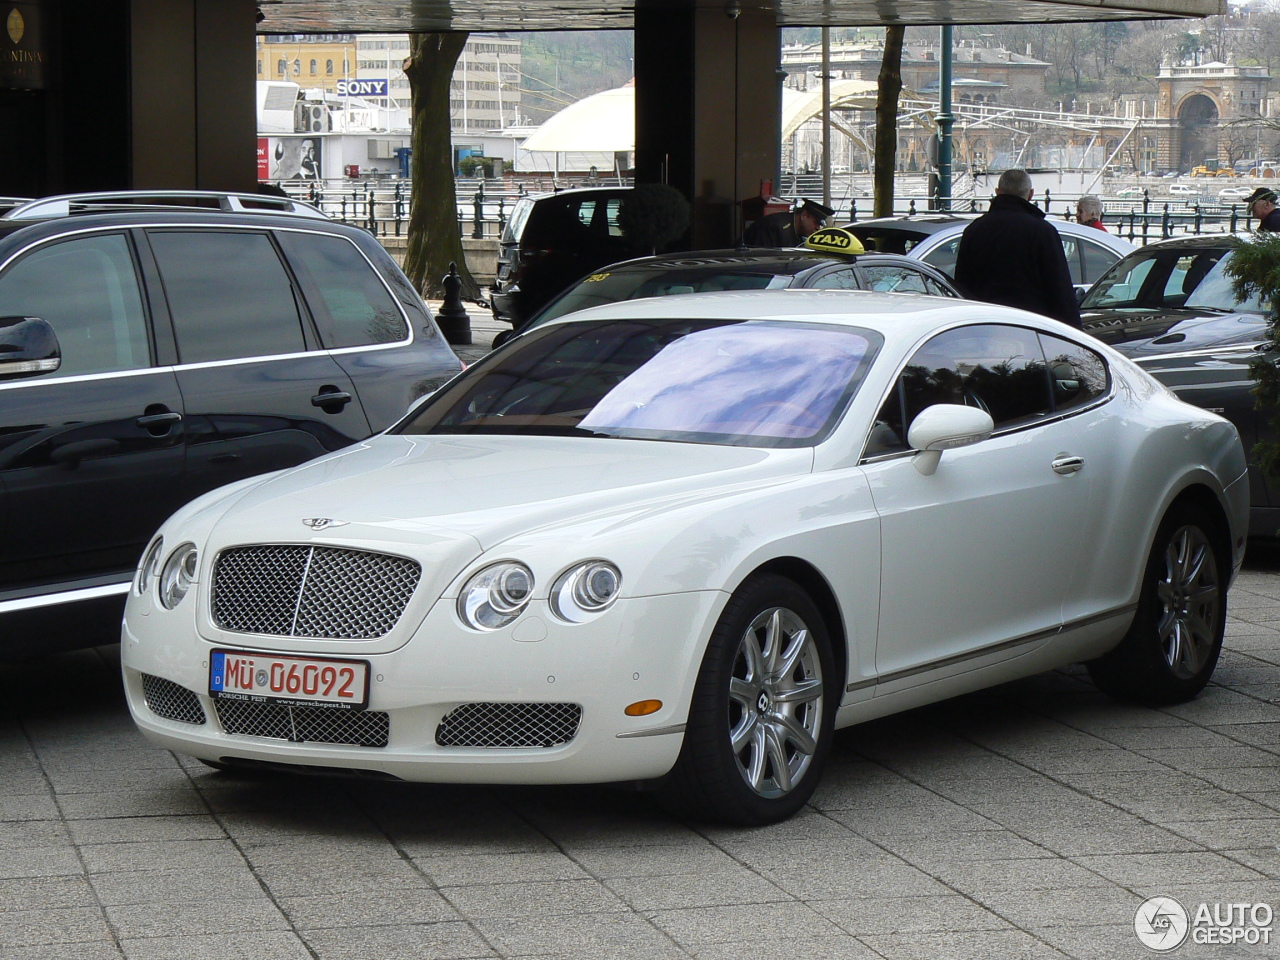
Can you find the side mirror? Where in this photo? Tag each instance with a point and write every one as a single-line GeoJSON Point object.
{"type": "Point", "coordinates": [1081, 291]}
{"type": "Point", "coordinates": [946, 426]}
{"type": "Point", "coordinates": [28, 347]}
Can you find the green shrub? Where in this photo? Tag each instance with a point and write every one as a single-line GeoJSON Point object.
{"type": "Point", "coordinates": [653, 215]}
{"type": "Point", "coordinates": [1254, 270]}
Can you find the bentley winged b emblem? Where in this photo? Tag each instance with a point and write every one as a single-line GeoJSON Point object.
{"type": "Point", "coordinates": [323, 523]}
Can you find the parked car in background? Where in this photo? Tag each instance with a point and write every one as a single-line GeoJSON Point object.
{"type": "Point", "coordinates": [935, 237]}
{"type": "Point", "coordinates": [1234, 193]}
{"type": "Point", "coordinates": [681, 540]}
{"type": "Point", "coordinates": [1169, 306]}
{"type": "Point", "coordinates": [1131, 193]}
{"type": "Point", "coordinates": [1185, 190]}
{"type": "Point", "coordinates": [155, 346]}
{"type": "Point", "coordinates": [746, 269]}
{"type": "Point", "coordinates": [550, 241]}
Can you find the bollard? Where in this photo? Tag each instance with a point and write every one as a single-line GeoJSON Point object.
{"type": "Point", "coordinates": [502, 214]}
{"type": "Point", "coordinates": [1198, 218]}
{"type": "Point", "coordinates": [1233, 218]}
{"type": "Point", "coordinates": [911, 207]}
{"type": "Point", "coordinates": [1146, 201]}
{"type": "Point", "coordinates": [477, 230]}
{"type": "Point", "coordinates": [853, 210]}
{"type": "Point", "coordinates": [452, 319]}
{"type": "Point", "coordinates": [1048, 199]}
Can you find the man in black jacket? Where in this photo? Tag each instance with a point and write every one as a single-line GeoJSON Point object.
{"type": "Point", "coordinates": [1012, 256]}
{"type": "Point", "coordinates": [787, 229]}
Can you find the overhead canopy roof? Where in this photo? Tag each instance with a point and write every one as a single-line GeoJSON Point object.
{"type": "Point", "coordinates": [605, 121]}
{"type": "Point", "coordinates": [403, 16]}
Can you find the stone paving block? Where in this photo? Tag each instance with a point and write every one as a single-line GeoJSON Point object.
{"type": "Point", "coordinates": [696, 890]}
{"type": "Point", "coordinates": [430, 941]}
{"type": "Point", "coordinates": [857, 878]}
{"type": "Point", "coordinates": [1230, 834]}
{"type": "Point", "coordinates": [1040, 789]}
{"type": "Point", "coordinates": [176, 801]}
{"type": "Point", "coordinates": [338, 854]}
{"type": "Point", "coordinates": [948, 848]}
{"type": "Point", "coordinates": [847, 848]}
{"type": "Point", "coordinates": [583, 933]}
{"type": "Point", "coordinates": [1196, 759]}
{"type": "Point", "coordinates": [865, 916]}
{"type": "Point", "coordinates": [1264, 859]}
{"type": "Point", "coordinates": [1123, 836]}
{"type": "Point", "coordinates": [264, 945]}
{"type": "Point", "coordinates": [475, 836]}
{"type": "Point", "coordinates": [533, 900]}
{"type": "Point", "coordinates": [33, 833]}
{"type": "Point", "coordinates": [934, 815]}
{"type": "Point", "coordinates": [166, 855]}
{"type": "Point", "coordinates": [980, 876]}
{"type": "Point", "coordinates": [1134, 868]}
{"type": "Point", "coordinates": [403, 906]}
{"type": "Point", "coordinates": [1064, 767]}
{"type": "Point", "coordinates": [1181, 736]}
{"type": "Point", "coordinates": [104, 778]}
{"type": "Point", "coordinates": [45, 893]}
{"type": "Point", "coordinates": [966, 945]}
{"type": "Point", "coordinates": [700, 926]}
{"type": "Point", "coordinates": [499, 868]}
{"type": "Point", "coordinates": [1097, 942]}
{"type": "Point", "coordinates": [826, 948]}
{"type": "Point", "coordinates": [29, 928]}
{"type": "Point", "coordinates": [1074, 906]}
{"type": "Point", "coordinates": [51, 861]}
{"type": "Point", "coordinates": [1245, 779]}
{"type": "Point", "coordinates": [230, 883]}
{"type": "Point", "coordinates": [143, 829]}
{"type": "Point", "coordinates": [97, 950]}
{"type": "Point", "coordinates": [29, 807]}
{"type": "Point", "coordinates": [199, 918]}
{"type": "Point", "coordinates": [315, 879]}
{"type": "Point", "coordinates": [697, 857]}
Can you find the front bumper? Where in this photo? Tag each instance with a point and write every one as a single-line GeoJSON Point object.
{"type": "Point", "coordinates": [642, 649]}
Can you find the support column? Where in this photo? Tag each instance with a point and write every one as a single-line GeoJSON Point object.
{"type": "Point", "coordinates": [707, 109]}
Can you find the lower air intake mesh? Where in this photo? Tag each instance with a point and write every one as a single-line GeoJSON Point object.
{"type": "Point", "coordinates": [304, 724]}
{"type": "Point", "coordinates": [171, 701]}
{"type": "Point", "coordinates": [509, 725]}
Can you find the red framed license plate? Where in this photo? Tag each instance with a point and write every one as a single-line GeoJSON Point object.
{"type": "Point", "coordinates": [273, 678]}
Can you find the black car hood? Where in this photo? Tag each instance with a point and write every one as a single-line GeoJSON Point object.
{"type": "Point", "coordinates": [1145, 333]}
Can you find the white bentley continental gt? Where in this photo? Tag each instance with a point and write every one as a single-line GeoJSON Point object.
{"type": "Point", "coordinates": [683, 540]}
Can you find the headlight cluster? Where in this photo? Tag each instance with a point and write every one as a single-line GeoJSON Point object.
{"type": "Point", "coordinates": [173, 580]}
{"type": "Point", "coordinates": [498, 594]}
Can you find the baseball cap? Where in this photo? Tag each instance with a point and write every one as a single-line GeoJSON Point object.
{"type": "Point", "coordinates": [812, 206]}
{"type": "Point", "coordinates": [1262, 193]}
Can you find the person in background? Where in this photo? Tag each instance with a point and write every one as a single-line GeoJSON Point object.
{"type": "Point", "coordinates": [1012, 256]}
{"type": "Point", "coordinates": [1089, 212]}
{"type": "Point", "coordinates": [1262, 204]}
{"type": "Point", "coordinates": [787, 229]}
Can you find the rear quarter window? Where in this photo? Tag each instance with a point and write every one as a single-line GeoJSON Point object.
{"type": "Point", "coordinates": [350, 304]}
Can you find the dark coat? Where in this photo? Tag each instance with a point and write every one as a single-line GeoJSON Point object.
{"type": "Point", "coordinates": [775, 230]}
{"type": "Point", "coordinates": [1012, 256]}
{"type": "Point", "coordinates": [1271, 222]}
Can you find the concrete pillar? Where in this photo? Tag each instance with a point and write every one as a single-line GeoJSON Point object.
{"type": "Point", "coordinates": [192, 94]}
{"type": "Point", "coordinates": [707, 109]}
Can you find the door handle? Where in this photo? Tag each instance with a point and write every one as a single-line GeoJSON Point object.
{"type": "Point", "coordinates": [331, 399]}
{"type": "Point", "coordinates": [1068, 465]}
{"type": "Point", "coordinates": [158, 420]}
{"type": "Point", "coordinates": [155, 419]}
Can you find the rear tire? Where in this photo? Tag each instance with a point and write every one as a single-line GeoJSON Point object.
{"type": "Point", "coordinates": [502, 338]}
{"type": "Point", "coordinates": [1173, 645]}
{"type": "Point", "coordinates": [763, 711]}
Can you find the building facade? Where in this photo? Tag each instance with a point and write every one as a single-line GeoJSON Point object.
{"type": "Point", "coordinates": [311, 61]}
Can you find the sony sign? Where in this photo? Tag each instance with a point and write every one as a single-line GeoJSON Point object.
{"type": "Point", "coordinates": [362, 88]}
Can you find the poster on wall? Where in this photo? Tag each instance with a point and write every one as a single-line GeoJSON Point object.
{"type": "Point", "coordinates": [290, 158]}
{"type": "Point", "coordinates": [23, 58]}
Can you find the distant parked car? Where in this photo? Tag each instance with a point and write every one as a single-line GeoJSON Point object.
{"type": "Point", "coordinates": [154, 346]}
{"type": "Point", "coordinates": [1185, 190]}
{"type": "Point", "coordinates": [550, 241]}
{"type": "Point", "coordinates": [935, 237]}
{"type": "Point", "coordinates": [1234, 193]}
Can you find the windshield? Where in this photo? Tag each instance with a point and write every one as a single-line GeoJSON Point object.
{"type": "Point", "coordinates": [633, 284]}
{"type": "Point", "coordinates": [1165, 279]}
{"type": "Point", "coordinates": [1214, 293]}
{"type": "Point", "coordinates": [741, 382]}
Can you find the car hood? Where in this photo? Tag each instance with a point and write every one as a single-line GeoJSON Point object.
{"type": "Point", "coordinates": [1143, 333]}
{"type": "Point", "coordinates": [482, 490]}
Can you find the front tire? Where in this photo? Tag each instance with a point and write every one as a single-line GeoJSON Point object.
{"type": "Point", "coordinates": [761, 721]}
{"type": "Point", "coordinates": [1173, 645]}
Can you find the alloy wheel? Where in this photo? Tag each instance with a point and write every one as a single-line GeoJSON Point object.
{"type": "Point", "coordinates": [1189, 593]}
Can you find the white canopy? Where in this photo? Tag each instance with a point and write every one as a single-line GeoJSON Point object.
{"type": "Point", "coordinates": [604, 122]}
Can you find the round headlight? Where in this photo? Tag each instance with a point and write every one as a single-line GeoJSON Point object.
{"type": "Point", "coordinates": [496, 595]}
{"type": "Point", "coordinates": [178, 575]}
{"type": "Point", "coordinates": [149, 567]}
{"type": "Point", "coordinates": [584, 591]}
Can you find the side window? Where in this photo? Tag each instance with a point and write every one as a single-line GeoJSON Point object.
{"type": "Point", "coordinates": [943, 256]}
{"type": "Point", "coordinates": [354, 307]}
{"type": "Point", "coordinates": [897, 279]}
{"type": "Point", "coordinates": [87, 290]}
{"type": "Point", "coordinates": [1097, 260]}
{"type": "Point", "coordinates": [229, 295]}
{"type": "Point", "coordinates": [1071, 247]}
{"type": "Point", "coordinates": [839, 279]}
{"type": "Point", "coordinates": [935, 289]}
{"type": "Point", "coordinates": [1077, 375]}
{"type": "Point", "coordinates": [612, 206]}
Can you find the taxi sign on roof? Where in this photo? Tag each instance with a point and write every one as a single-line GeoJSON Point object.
{"type": "Point", "coordinates": [834, 240]}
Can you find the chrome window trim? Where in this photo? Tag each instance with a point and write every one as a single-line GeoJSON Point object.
{"type": "Point", "coordinates": [863, 459]}
{"type": "Point", "coordinates": [1241, 348]}
{"type": "Point", "coordinates": [117, 228]}
{"type": "Point", "coordinates": [65, 596]}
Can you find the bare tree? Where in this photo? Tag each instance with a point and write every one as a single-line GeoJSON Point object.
{"type": "Point", "coordinates": [890, 88]}
{"type": "Point", "coordinates": [435, 238]}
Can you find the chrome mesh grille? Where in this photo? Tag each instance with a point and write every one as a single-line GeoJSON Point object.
{"type": "Point", "coordinates": [509, 725]}
{"type": "Point", "coordinates": [304, 724]}
{"type": "Point", "coordinates": [287, 590]}
{"type": "Point", "coordinates": [171, 701]}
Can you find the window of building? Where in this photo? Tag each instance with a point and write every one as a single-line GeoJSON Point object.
{"type": "Point", "coordinates": [315, 67]}
{"type": "Point", "coordinates": [328, 67]}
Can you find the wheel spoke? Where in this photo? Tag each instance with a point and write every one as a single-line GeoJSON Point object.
{"type": "Point", "coordinates": [794, 652]}
{"type": "Point", "coordinates": [790, 728]}
{"type": "Point", "coordinates": [804, 691]}
{"type": "Point", "coordinates": [743, 734]}
{"type": "Point", "coordinates": [1203, 595]}
{"type": "Point", "coordinates": [1173, 648]}
{"type": "Point", "coordinates": [778, 755]}
{"type": "Point", "coordinates": [773, 640]}
{"type": "Point", "coordinates": [755, 772]}
{"type": "Point", "coordinates": [1195, 564]}
{"type": "Point", "coordinates": [755, 660]}
{"type": "Point", "coordinates": [1164, 591]}
{"type": "Point", "coordinates": [743, 692]}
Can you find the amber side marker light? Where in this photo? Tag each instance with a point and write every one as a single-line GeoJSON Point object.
{"type": "Point", "coordinates": [642, 708]}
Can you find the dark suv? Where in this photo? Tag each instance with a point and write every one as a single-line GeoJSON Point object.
{"type": "Point", "coordinates": [550, 241]}
{"type": "Point", "coordinates": [153, 347]}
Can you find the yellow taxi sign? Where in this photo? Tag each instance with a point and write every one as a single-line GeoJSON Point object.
{"type": "Point", "coordinates": [834, 240]}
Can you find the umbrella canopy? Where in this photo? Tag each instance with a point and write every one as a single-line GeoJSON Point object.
{"type": "Point", "coordinates": [602, 122]}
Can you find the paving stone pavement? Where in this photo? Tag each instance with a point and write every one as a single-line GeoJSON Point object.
{"type": "Point", "coordinates": [1026, 821]}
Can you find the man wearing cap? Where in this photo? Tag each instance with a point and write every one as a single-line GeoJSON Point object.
{"type": "Point", "coordinates": [787, 229]}
{"type": "Point", "coordinates": [1012, 256]}
{"type": "Point", "coordinates": [1262, 204]}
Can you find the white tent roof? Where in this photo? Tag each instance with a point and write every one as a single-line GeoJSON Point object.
{"type": "Point", "coordinates": [601, 122]}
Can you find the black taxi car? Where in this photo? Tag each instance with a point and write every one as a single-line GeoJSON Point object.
{"type": "Point", "coordinates": [831, 259]}
{"type": "Point", "coordinates": [155, 346]}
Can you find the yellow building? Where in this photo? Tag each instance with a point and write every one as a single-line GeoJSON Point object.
{"type": "Point", "coordinates": [311, 61]}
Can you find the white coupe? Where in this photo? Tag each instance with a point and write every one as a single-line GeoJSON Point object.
{"type": "Point", "coordinates": [683, 540]}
